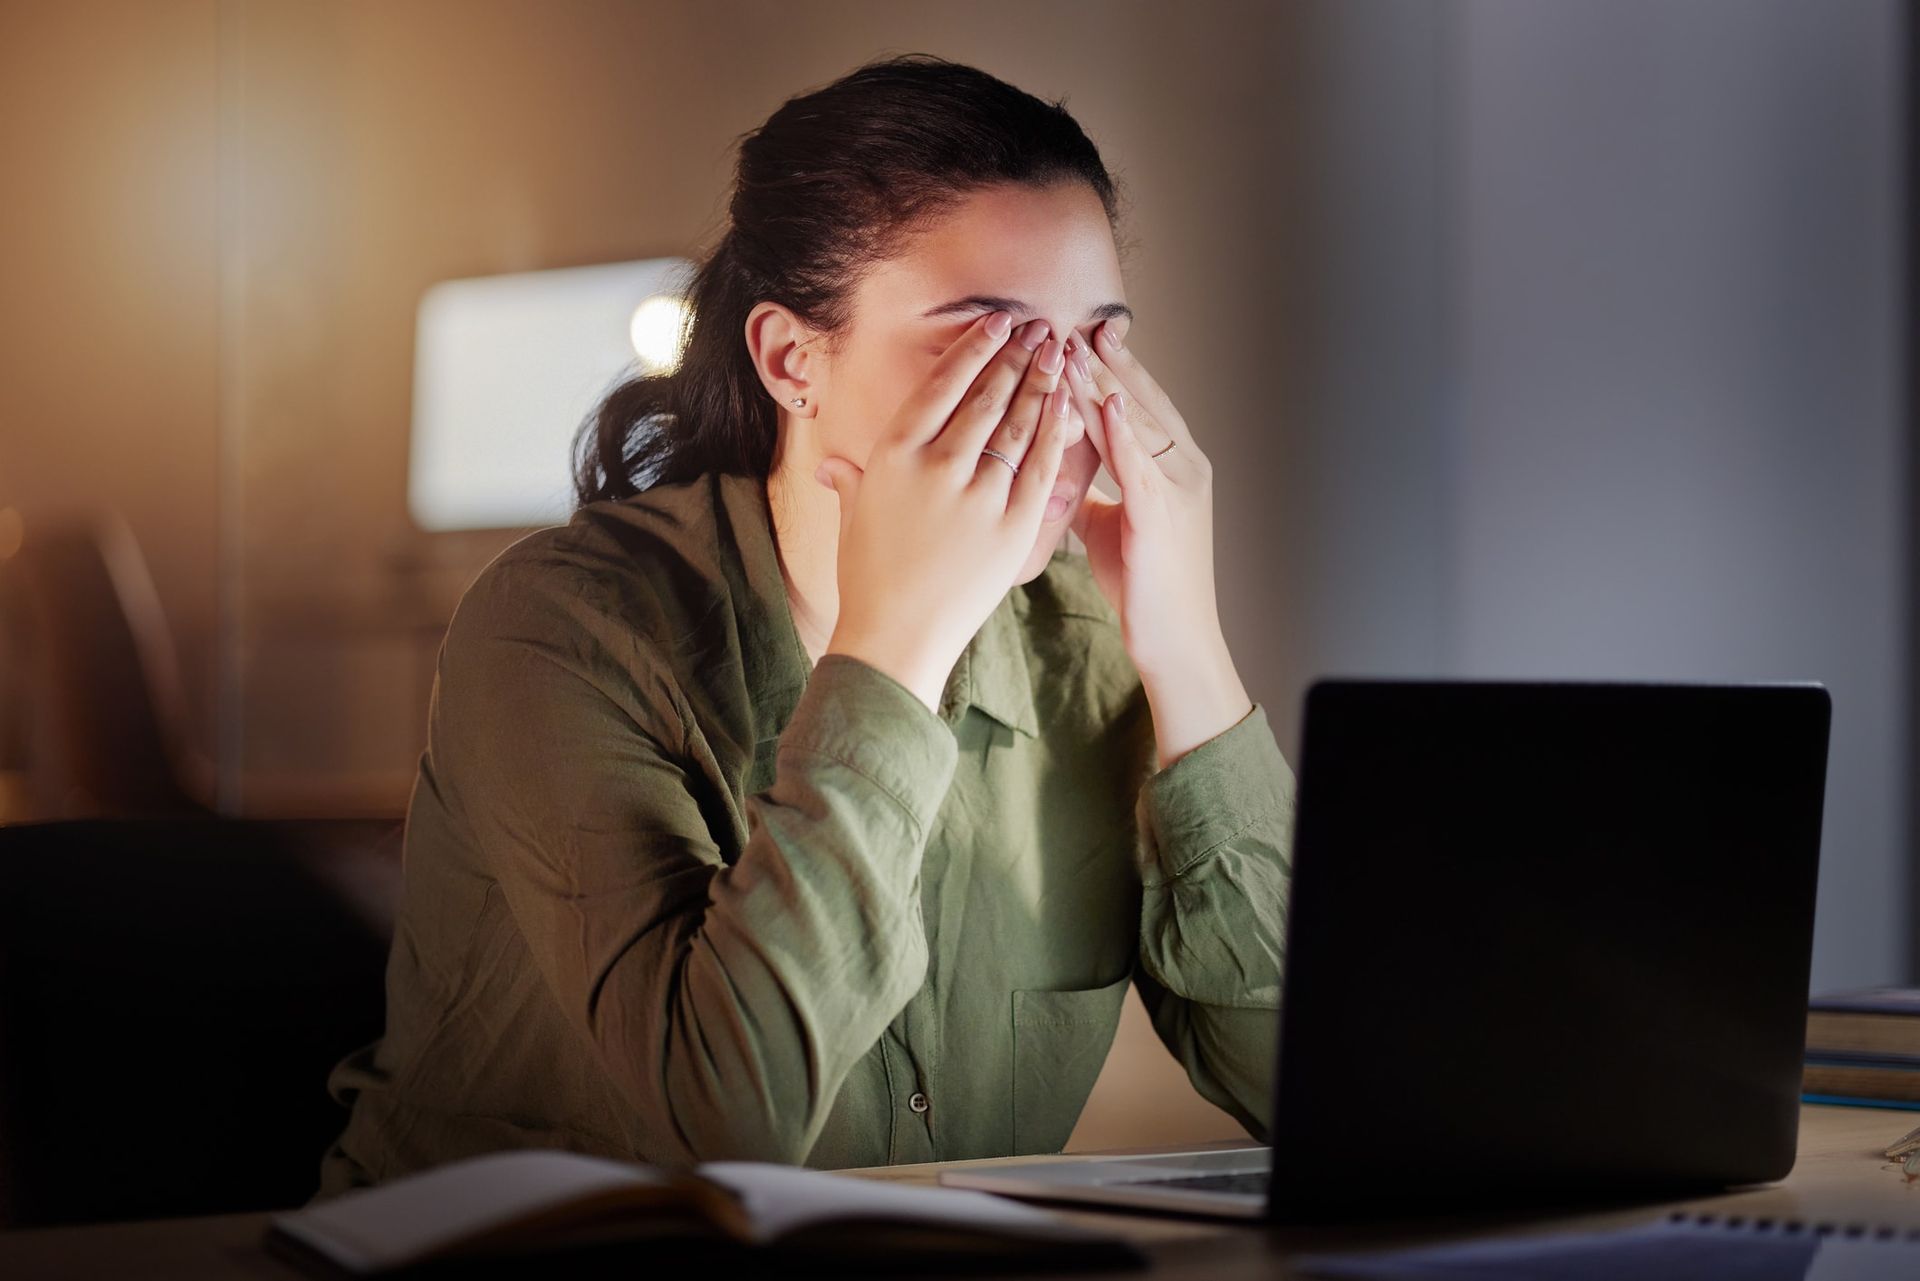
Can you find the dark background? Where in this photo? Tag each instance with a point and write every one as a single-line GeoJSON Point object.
{"type": "Point", "coordinates": [1564, 339]}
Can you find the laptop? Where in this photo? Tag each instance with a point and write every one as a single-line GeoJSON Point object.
{"type": "Point", "coordinates": [1546, 943]}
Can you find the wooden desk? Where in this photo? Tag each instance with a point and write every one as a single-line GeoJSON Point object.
{"type": "Point", "coordinates": [1840, 1176]}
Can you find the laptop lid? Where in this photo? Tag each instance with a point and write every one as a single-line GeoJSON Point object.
{"type": "Point", "coordinates": [1545, 940]}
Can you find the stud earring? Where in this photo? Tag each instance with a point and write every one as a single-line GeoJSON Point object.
{"type": "Point", "coordinates": [799, 402]}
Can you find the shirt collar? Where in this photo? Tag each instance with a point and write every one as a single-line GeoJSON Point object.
{"type": "Point", "coordinates": [991, 674]}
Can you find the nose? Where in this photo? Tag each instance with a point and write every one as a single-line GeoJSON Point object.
{"type": "Point", "coordinates": [1076, 425]}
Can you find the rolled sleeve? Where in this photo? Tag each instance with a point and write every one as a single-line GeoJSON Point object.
{"type": "Point", "coordinates": [727, 1000]}
{"type": "Point", "coordinates": [1235, 781]}
{"type": "Point", "coordinates": [1216, 830]}
{"type": "Point", "coordinates": [844, 700]}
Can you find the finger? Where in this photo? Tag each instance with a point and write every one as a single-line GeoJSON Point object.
{"type": "Point", "coordinates": [1132, 377]}
{"type": "Point", "coordinates": [1087, 404]}
{"type": "Point", "coordinates": [1157, 441]}
{"type": "Point", "coordinates": [1027, 502]}
{"type": "Point", "coordinates": [1100, 383]}
{"type": "Point", "coordinates": [1015, 432]}
{"type": "Point", "coordinates": [1095, 429]}
{"type": "Point", "coordinates": [843, 478]}
{"type": "Point", "coordinates": [990, 399]}
{"type": "Point", "coordinates": [929, 405]}
{"type": "Point", "coordinates": [1132, 467]}
{"type": "Point", "coordinates": [1076, 424]}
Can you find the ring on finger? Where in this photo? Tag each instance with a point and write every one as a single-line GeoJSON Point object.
{"type": "Point", "coordinates": [1015, 431]}
{"type": "Point", "coordinates": [1100, 402]}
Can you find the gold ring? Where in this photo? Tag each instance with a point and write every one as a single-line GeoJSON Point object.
{"type": "Point", "coordinates": [1170, 445]}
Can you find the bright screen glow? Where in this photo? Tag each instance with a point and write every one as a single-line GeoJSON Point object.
{"type": "Point", "coordinates": [505, 369]}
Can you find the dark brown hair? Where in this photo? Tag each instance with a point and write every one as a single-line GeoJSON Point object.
{"type": "Point", "coordinates": [830, 185]}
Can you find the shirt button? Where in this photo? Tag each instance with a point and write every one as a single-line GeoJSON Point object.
{"type": "Point", "coordinates": [918, 1102]}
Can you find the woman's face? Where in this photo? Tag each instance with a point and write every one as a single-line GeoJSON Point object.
{"type": "Point", "coordinates": [1040, 253]}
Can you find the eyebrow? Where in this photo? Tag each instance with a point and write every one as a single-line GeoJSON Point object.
{"type": "Point", "coordinates": [992, 302]}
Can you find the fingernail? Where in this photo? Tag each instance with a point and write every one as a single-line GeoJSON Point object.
{"type": "Point", "coordinates": [1114, 330]}
{"type": "Point", "coordinates": [1060, 402]}
{"type": "Point", "coordinates": [1032, 332]}
{"type": "Point", "coordinates": [1050, 357]}
{"type": "Point", "coordinates": [998, 324]}
{"type": "Point", "coordinates": [1080, 364]}
{"type": "Point", "coordinates": [1119, 405]}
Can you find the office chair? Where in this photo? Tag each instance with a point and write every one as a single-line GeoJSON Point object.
{"type": "Point", "coordinates": [173, 993]}
{"type": "Point", "coordinates": [97, 677]}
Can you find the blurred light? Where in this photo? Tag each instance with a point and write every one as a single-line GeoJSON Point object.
{"type": "Point", "coordinates": [506, 368]}
{"type": "Point", "coordinates": [13, 531]}
{"type": "Point", "coordinates": [656, 329]}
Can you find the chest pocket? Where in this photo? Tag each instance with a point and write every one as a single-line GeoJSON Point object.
{"type": "Point", "coordinates": [1060, 1043]}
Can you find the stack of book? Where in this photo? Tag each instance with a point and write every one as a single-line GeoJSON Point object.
{"type": "Point", "coordinates": [1863, 1047]}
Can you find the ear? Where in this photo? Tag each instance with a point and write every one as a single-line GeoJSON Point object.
{"type": "Point", "coordinates": [777, 342]}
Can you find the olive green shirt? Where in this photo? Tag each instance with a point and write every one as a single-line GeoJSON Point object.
{"type": "Point", "coordinates": [673, 894]}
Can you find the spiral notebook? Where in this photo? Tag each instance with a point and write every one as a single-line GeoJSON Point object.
{"type": "Point", "coordinates": [1684, 1247]}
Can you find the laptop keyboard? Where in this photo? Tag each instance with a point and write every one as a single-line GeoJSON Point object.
{"type": "Point", "coordinates": [1253, 1182]}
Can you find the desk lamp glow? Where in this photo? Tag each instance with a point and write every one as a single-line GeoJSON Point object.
{"type": "Point", "coordinates": [505, 369]}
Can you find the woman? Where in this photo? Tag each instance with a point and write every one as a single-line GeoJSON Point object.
{"type": "Point", "coordinates": [803, 799]}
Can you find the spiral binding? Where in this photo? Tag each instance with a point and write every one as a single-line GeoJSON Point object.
{"type": "Point", "coordinates": [1790, 1227]}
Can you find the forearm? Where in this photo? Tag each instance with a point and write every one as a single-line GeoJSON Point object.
{"type": "Point", "coordinates": [897, 651]}
{"type": "Point", "coordinates": [810, 943]}
{"type": "Point", "coordinates": [1215, 876]}
{"type": "Point", "coordinates": [1194, 700]}
{"type": "Point", "coordinates": [1227, 1053]}
{"type": "Point", "coordinates": [1215, 830]}
{"type": "Point", "coordinates": [728, 1001]}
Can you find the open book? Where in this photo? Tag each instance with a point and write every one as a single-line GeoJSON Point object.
{"type": "Point", "coordinates": [539, 1202]}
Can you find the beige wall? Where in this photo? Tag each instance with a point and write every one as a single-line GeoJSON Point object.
{"type": "Point", "coordinates": [109, 369]}
{"type": "Point", "coordinates": [232, 211]}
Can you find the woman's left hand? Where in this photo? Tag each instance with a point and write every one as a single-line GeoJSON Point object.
{"type": "Point", "coordinates": [1152, 550]}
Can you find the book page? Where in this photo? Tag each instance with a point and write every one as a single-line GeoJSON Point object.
{"type": "Point", "coordinates": [423, 1214]}
{"type": "Point", "coordinates": [781, 1198]}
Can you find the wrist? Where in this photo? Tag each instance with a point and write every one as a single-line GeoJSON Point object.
{"type": "Point", "coordinates": [904, 661]}
{"type": "Point", "coordinates": [1194, 700]}
{"type": "Point", "coordinates": [1181, 644]}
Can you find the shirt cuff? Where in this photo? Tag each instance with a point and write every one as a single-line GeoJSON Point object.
{"type": "Point", "coordinates": [856, 714]}
{"type": "Point", "coordinates": [1211, 794]}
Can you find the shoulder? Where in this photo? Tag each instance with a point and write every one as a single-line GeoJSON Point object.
{"type": "Point", "coordinates": [594, 608]}
{"type": "Point", "coordinates": [618, 570]}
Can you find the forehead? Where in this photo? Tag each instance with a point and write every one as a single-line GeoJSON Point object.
{"type": "Point", "coordinates": [1048, 246]}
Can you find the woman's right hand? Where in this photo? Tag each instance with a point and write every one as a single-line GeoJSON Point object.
{"type": "Point", "coordinates": [933, 531]}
